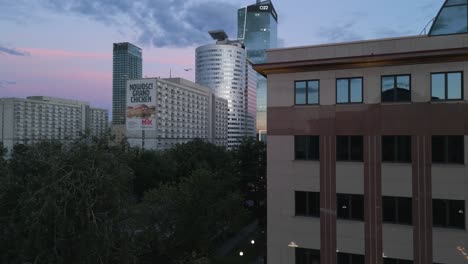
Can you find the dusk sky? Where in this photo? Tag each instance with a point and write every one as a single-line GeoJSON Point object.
{"type": "Point", "coordinates": [63, 48]}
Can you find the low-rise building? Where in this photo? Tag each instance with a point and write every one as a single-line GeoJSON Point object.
{"type": "Point", "coordinates": [41, 117]}
{"type": "Point", "coordinates": [183, 111]}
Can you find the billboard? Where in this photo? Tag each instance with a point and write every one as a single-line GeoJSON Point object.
{"type": "Point", "coordinates": [141, 104]}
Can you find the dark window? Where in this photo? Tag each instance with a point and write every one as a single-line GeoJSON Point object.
{"type": "Point", "coordinates": [307, 203]}
{"type": "Point", "coordinates": [448, 213]}
{"type": "Point", "coordinates": [307, 92]}
{"type": "Point", "coordinates": [306, 147]}
{"type": "Point", "coordinates": [350, 206]}
{"type": "Point", "coordinates": [448, 149]}
{"type": "Point", "coordinates": [397, 210]}
{"type": "Point", "coordinates": [447, 86]}
{"type": "Point", "coordinates": [397, 261]}
{"type": "Point", "coordinates": [349, 148]}
{"type": "Point", "coordinates": [347, 258]}
{"type": "Point", "coordinates": [396, 148]}
{"type": "Point", "coordinates": [349, 90]}
{"type": "Point", "coordinates": [307, 256]}
{"type": "Point", "coordinates": [396, 88]}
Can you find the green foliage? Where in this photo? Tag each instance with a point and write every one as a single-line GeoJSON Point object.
{"type": "Point", "coordinates": [185, 218]}
{"type": "Point", "coordinates": [65, 205]}
{"type": "Point", "coordinates": [91, 202]}
{"type": "Point", "coordinates": [250, 157]}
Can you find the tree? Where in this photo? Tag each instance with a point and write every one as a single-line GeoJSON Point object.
{"type": "Point", "coordinates": [181, 221]}
{"type": "Point", "coordinates": [66, 204]}
{"type": "Point", "coordinates": [250, 158]}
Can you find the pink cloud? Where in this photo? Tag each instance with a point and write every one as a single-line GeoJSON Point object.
{"type": "Point", "coordinates": [51, 53]}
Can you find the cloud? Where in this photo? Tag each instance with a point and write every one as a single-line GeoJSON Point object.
{"type": "Point", "coordinates": [55, 53]}
{"type": "Point", "coordinates": [14, 52]}
{"type": "Point", "coordinates": [4, 83]}
{"type": "Point", "coordinates": [342, 33]}
{"type": "Point", "coordinates": [161, 23]}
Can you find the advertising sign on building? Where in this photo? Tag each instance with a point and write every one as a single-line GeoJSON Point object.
{"type": "Point", "coordinates": [141, 104]}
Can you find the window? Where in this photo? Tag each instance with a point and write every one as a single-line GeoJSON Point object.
{"type": "Point", "coordinates": [448, 213]}
{"type": "Point", "coordinates": [446, 86]}
{"type": "Point", "coordinates": [448, 149]}
{"type": "Point", "coordinates": [350, 206]}
{"type": "Point", "coordinates": [347, 258]}
{"type": "Point", "coordinates": [397, 261]}
{"type": "Point", "coordinates": [306, 147]}
{"type": "Point", "coordinates": [396, 148]}
{"type": "Point", "coordinates": [307, 92]}
{"type": "Point", "coordinates": [396, 88]}
{"type": "Point", "coordinates": [307, 203]}
{"type": "Point", "coordinates": [349, 148]}
{"type": "Point", "coordinates": [397, 210]}
{"type": "Point", "coordinates": [349, 90]}
{"type": "Point", "coordinates": [307, 256]}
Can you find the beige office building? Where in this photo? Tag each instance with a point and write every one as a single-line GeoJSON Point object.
{"type": "Point", "coordinates": [367, 150]}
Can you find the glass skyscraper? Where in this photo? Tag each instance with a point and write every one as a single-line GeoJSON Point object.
{"type": "Point", "coordinates": [127, 64]}
{"type": "Point", "coordinates": [257, 29]}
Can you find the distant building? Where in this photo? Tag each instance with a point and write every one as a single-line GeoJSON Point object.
{"type": "Point", "coordinates": [368, 148]}
{"type": "Point", "coordinates": [126, 65]}
{"type": "Point", "coordinates": [224, 68]}
{"type": "Point", "coordinates": [257, 28]}
{"type": "Point", "coordinates": [38, 118]}
{"type": "Point", "coordinates": [183, 111]}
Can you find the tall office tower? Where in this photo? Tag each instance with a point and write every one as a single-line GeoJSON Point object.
{"type": "Point", "coordinates": [127, 64]}
{"type": "Point", "coordinates": [37, 118]}
{"type": "Point", "coordinates": [368, 149]}
{"type": "Point", "coordinates": [257, 29]}
{"type": "Point", "coordinates": [223, 67]}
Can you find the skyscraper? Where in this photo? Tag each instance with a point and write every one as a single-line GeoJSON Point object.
{"type": "Point", "coordinates": [257, 29]}
{"type": "Point", "coordinates": [127, 64]}
{"type": "Point", "coordinates": [224, 68]}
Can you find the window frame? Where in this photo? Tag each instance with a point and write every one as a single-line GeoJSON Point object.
{"type": "Point", "coordinates": [447, 214]}
{"type": "Point", "coordinates": [395, 87]}
{"type": "Point", "coordinates": [307, 145]}
{"type": "Point", "coordinates": [446, 87]}
{"type": "Point", "coordinates": [446, 149]}
{"type": "Point", "coordinates": [349, 147]}
{"type": "Point", "coordinates": [349, 90]}
{"type": "Point", "coordinates": [307, 208]}
{"type": "Point", "coordinates": [349, 205]}
{"type": "Point", "coordinates": [307, 92]}
{"type": "Point", "coordinates": [396, 200]}
{"type": "Point", "coordinates": [396, 158]}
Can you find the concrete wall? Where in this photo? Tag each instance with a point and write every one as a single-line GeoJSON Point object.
{"type": "Point", "coordinates": [369, 47]}
{"type": "Point", "coordinates": [281, 86]}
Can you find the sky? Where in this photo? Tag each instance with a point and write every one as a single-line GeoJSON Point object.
{"type": "Point", "coordinates": [63, 48]}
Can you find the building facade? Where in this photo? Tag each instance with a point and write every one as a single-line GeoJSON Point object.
{"type": "Point", "coordinates": [126, 64]}
{"type": "Point", "coordinates": [184, 111]}
{"type": "Point", "coordinates": [368, 151]}
{"type": "Point", "coordinates": [223, 67]}
{"type": "Point", "coordinates": [37, 118]}
{"type": "Point", "coordinates": [257, 28]}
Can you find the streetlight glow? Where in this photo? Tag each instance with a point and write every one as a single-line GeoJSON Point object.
{"type": "Point", "coordinates": [252, 242]}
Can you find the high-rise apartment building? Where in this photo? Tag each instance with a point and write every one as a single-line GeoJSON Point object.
{"type": "Point", "coordinates": [257, 29]}
{"type": "Point", "coordinates": [126, 65]}
{"type": "Point", "coordinates": [224, 68]}
{"type": "Point", "coordinates": [368, 149]}
{"type": "Point", "coordinates": [39, 118]}
{"type": "Point", "coordinates": [183, 111]}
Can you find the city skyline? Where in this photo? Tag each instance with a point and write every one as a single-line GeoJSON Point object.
{"type": "Point", "coordinates": [40, 56]}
